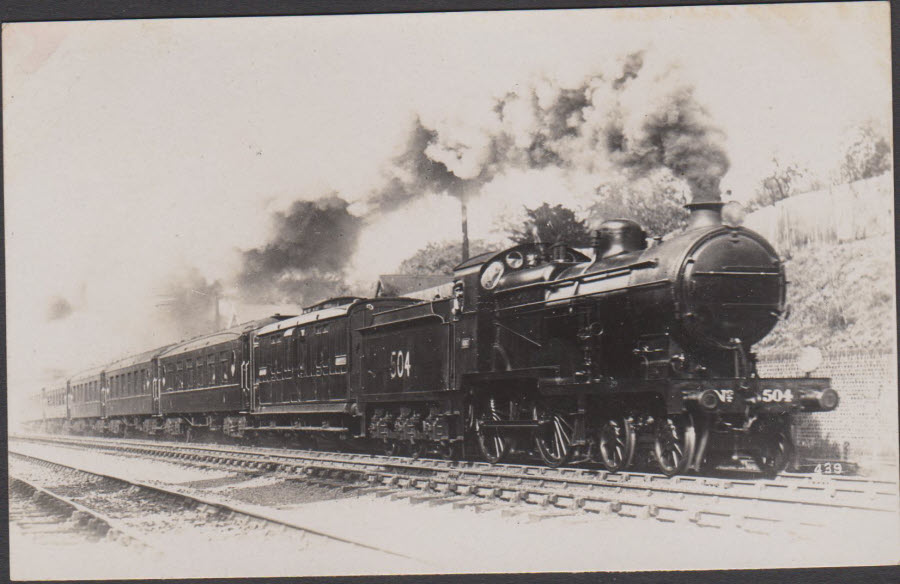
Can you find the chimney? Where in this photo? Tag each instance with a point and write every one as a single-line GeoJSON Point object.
{"type": "Point", "coordinates": [705, 206]}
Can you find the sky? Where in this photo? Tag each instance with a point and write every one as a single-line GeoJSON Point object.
{"type": "Point", "coordinates": [142, 155]}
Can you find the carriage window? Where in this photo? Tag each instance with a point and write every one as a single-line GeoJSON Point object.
{"type": "Point", "coordinates": [276, 354]}
{"type": "Point", "coordinates": [211, 375]}
{"type": "Point", "coordinates": [301, 355]}
{"type": "Point", "coordinates": [290, 349]}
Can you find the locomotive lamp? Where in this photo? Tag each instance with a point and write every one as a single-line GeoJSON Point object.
{"type": "Point", "coordinates": [733, 214]}
{"type": "Point", "coordinates": [809, 359]}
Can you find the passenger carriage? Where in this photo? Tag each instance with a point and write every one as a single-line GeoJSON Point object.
{"type": "Point", "coordinates": [87, 400]}
{"type": "Point", "coordinates": [205, 382]}
{"type": "Point", "coordinates": [133, 395]}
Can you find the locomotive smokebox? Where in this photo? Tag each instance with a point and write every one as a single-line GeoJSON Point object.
{"type": "Point", "coordinates": [706, 204]}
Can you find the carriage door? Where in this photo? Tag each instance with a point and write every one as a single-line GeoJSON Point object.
{"type": "Point", "coordinates": [104, 393]}
{"type": "Point", "coordinates": [156, 381]}
{"type": "Point", "coordinates": [248, 341]}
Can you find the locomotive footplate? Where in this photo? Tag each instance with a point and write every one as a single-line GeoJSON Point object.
{"type": "Point", "coordinates": [722, 395]}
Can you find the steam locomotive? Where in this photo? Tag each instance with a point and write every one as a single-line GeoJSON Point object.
{"type": "Point", "coordinates": [538, 350]}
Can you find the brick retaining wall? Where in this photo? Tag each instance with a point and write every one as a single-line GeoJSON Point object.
{"type": "Point", "coordinates": [864, 426]}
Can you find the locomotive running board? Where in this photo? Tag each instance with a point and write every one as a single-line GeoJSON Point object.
{"type": "Point", "coordinates": [524, 373]}
{"type": "Point", "coordinates": [341, 407]}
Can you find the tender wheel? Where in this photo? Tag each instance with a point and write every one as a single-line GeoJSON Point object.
{"type": "Point", "coordinates": [449, 450]}
{"type": "Point", "coordinates": [418, 449]}
{"type": "Point", "coordinates": [554, 443]}
{"type": "Point", "coordinates": [494, 446]}
{"type": "Point", "coordinates": [390, 447]}
{"type": "Point", "coordinates": [674, 444]}
{"type": "Point", "coordinates": [616, 444]}
{"type": "Point", "coordinates": [773, 447]}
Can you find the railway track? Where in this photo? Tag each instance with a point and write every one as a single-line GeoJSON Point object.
{"type": "Point", "coordinates": [132, 511]}
{"type": "Point", "coordinates": [59, 520]}
{"type": "Point", "coordinates": [795, 503]}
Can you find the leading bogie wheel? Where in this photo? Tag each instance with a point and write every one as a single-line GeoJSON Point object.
{"type": "Point", "coordinates": [674, 443]}
{"type": "Point", "coordinates": [773, 447]}
{"type": "Point", "coordinates": [616, 444]}
{"type": "Point", "coordinates": [554, 439]}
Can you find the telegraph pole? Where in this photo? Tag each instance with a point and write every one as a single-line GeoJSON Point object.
{"type": "Point", "coordinates": [465, 225]}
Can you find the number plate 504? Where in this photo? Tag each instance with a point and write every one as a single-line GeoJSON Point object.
{"type": "Point", "coordinates": [776, 396]}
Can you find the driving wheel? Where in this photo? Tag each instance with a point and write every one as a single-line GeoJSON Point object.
{"type": "Point", "coordinates": [616, 444]}
{"type": "Point", "coordinates": [554, 439]}
{"type": "Point", "coordinates": [674, 443]}
{"type": "Point", "coordinates": [774, 447]}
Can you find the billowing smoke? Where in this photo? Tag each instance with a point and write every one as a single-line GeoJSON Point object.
{"type": "Point", "coordinates": [677, 136]}
{"type": "Point", "coordinates": [305, 258]}
{"type": "Point", "coordinates": [188, 305]}
{"type": "Point", "coordinates": [436, 162]}
{"type": "Point", "coordinates": [632, 66]}
{"type": "Point", "coordinates": [58, 308]}
{"type": "Point", "coordinates": [628, 123]}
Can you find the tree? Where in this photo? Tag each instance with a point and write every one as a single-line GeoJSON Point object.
{"type": "Point", "coordinates": [868, 154]}
{"type": "Point", "coordinates": [439, 258]}
{"type": "Point", "coordinates": [655, 202]}
{"type": "Point", "coordinates": [783, 182]}
{"type": "Point", "coordinates": [552, 225]}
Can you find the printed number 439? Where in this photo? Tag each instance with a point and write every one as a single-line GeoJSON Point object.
{"type": "Point", "coordinates": [830, 468]}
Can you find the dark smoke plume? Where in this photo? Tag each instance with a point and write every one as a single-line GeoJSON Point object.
{"type": "Point", "coordinates": [589, 128]}
{"type": "Point", "coordinates": [424, 167]}
{"type": "Point", "coordinates": [59, 308]}
{"type": "Point", "coordinates": [633, 64]}
{"type": "Point", "coordinates": [680, 137]}
{"type": "Point", "coordinates": [305, 258]}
